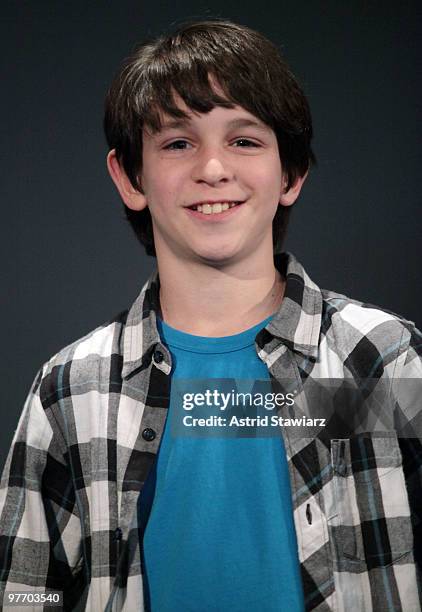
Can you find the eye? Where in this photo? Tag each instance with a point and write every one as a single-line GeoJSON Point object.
{"type": "Point", "coordinates": [177, 145]}
{"type": "Point", "coordinates": [245, 142]}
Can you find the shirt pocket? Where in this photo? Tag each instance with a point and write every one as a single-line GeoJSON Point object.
{"type": "Point", "coordinates": [371, 526]}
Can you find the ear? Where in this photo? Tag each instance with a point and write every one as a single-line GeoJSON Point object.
{"type": "Point", "coordinates": [287, 198]}
{"type": "Point", "coordinates": [133, 198]}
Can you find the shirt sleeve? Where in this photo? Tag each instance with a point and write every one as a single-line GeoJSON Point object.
{"type": "Point", "coordinates": [40, 527]}
{"type": "Point", "coordinates": [409, 420]}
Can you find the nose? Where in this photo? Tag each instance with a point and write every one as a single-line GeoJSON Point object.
{"type": "Point", "coordinates": [212, 169]}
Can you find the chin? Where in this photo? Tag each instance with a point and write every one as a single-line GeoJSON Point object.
{"type": "Point", "coordinates": [217, 257]}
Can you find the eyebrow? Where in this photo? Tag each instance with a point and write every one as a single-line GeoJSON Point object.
{"type": "Point", "coordinates": [233, 124]}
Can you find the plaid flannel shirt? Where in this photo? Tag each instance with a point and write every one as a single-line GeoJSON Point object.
{"type": "Point", "coordinates": [91, 427]}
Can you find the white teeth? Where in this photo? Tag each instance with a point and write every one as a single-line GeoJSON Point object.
{"type": "Point", "coordinates": [218, 207]}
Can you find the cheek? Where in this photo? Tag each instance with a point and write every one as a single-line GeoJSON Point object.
{"type": "Point", "coordinates": [161, 192]}
{"type": "Point", "coordinates": [167, 183]}
{"type": "Point", "coordinates": [157, 178]}
{"type": "Point", "coordinates": [269, 184]}
{"type": "Point", "coordinates": [268, 176]}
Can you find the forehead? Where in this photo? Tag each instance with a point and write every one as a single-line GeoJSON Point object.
{"type": "Point", "coordinates": [231, 118]}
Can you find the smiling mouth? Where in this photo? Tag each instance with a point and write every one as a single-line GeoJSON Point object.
{"type": "Point", "coordinates": [215, 208]}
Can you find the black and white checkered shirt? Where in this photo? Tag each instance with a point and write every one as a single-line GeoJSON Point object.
{"type": "Point", "coordinates": [92, 424]}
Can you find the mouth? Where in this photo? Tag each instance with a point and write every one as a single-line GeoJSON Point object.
{"type": "Point", "coordinates": [214, 208]}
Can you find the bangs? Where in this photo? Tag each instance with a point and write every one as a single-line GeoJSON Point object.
{"type": "Point", "coordinates": [199, 88]}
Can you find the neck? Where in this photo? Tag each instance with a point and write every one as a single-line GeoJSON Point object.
{"type": "Point", "coordinates": [214, 301]}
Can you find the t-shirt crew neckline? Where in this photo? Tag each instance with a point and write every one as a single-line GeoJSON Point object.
{"type": "Point", "coordinates": [203, 344]}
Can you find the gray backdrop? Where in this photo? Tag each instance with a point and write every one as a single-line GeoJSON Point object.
{"type": "Point", "coordinates": [71, 260]}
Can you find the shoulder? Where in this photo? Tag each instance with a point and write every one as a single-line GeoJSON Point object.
{"type": "Point", "coordinates": [85, 364]}
{"type": "Point", "coordinates": [366, 337]}
{"type": "Point", "coordinates": [362, 316]}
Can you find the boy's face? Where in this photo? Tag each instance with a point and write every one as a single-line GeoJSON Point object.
{"type": "Point", "coordinates": [212, 159]}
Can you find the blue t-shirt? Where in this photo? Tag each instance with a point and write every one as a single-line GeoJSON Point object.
{"type": "Point", "coordinates": [220, 535]}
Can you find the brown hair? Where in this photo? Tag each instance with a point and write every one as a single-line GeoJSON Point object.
{"type": "Point", "coordinates": [249, 71]}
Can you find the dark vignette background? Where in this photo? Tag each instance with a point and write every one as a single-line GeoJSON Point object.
{"type": "Point", "coordinates": [71, 261]}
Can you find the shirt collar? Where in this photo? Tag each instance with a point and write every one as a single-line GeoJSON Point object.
{"type": "Point", "coordinates": [297, 323]}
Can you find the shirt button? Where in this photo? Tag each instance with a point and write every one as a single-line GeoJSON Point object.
{"type": "Point", "coordinates": [158, 356]}
{"type": "Point", "coordinates": [118, 533]}
{"type": "Point", "coordinates": [148, 434]}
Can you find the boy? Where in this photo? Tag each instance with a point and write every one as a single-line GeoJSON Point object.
{"type": "Point", "coordinates": [209, 136]}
